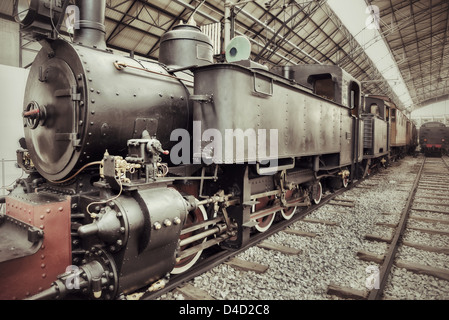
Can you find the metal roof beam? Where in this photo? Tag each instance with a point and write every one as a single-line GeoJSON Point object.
{"type": "Point", "coordinates": [113, 33]}
{"type": "Point", "coordinates": [261, 23]}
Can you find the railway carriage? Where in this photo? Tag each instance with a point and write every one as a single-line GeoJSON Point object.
{"type": "Point", "coordinates": [412, 137]}
{"type": "Point", "coordinates": [401, 131]}
{"type": "Point", "coordinates": [398, 133]}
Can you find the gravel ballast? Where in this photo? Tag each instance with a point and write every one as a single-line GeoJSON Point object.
{"type": "Point", "coordinates": [330, 257]}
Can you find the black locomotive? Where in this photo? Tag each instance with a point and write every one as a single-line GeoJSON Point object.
{"type": "Point", "coordinates": [434, 138]}
{"type": "Point", "coordinates": [135, 167]}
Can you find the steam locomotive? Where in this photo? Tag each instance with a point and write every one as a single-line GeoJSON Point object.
{"type": "Point", "coordinates": [135, 167]}
{"type": "Point", "coordinates": [434, 138]}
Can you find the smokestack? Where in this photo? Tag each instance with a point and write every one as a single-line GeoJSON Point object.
{"type": "Point", "coordinates": [91, 30]}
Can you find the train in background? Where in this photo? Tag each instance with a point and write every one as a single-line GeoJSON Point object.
{"type": "Point", "coordinates": [127, 181]}
{"type": "Point", "coordinates": [434, 138]}
{"type": "Point", "coordinates": [388, 133]}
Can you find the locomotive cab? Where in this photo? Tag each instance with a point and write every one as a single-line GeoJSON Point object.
{"type": "Point", "coordinates": [376, 130]}
{"type": "Point", "coordinates": [324, 85]}
{"type": "Point", "coordinates": [328, 81]}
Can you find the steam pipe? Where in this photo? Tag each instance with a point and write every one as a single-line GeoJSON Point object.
{"type": "Point", "coordinates": [50, 293]}
{"type": "Point", "coordinates": [227, 23]}
{"type": "Point", "coordinates": [91, 30]}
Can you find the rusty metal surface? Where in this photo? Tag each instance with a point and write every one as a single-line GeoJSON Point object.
{"type": "Point", "coordinates": [18, 239]}
{"type": "Point", "coordinates": [23, 277]}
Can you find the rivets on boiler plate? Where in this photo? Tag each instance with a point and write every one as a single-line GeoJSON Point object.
{"type": "Point", "coordinates": [157, 225]}
{"type": "Point", "coordinates": [167, 223]}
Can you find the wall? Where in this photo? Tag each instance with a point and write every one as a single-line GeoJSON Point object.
{"type": "Point", "coordinates": [14, 51]}
{"type": "Point", "coordinates": [10, 43]}
{"type": "Point", "coordinates": [12, 88]}
{"type": "Point", "coordinates": [434, 112]}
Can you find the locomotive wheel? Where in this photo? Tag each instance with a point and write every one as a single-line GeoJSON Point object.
{"type": "Point", "coordinates": [287, 213]}
{"type": "Point", "coordinates": [186, 263]}
{"type": "Point", "coordinates": [317, 192]}
{"type": "Point", "coordinates": [264, 223]}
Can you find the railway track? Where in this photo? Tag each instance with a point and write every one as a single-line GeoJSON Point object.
{"type": "Point", "coordinates": [426, 204]}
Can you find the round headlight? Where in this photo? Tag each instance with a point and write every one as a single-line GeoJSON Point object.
{"type": "Point", "coordinates": [23, 6]}
{"type": "Point", "coordinates": [25, 11]}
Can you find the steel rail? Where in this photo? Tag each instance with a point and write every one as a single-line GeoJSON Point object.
{"type": "Point", "coordinates": [375, 294]}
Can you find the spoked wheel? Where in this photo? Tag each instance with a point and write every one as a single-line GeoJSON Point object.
{"type": "Point", "coordinates": [287, 213]}
{"type": "Point", "coordinates": [186, 263]}
{"type": "Point", "coordinates": [264, 223]}
{"type": "Point", "coordinates": [317, 192]}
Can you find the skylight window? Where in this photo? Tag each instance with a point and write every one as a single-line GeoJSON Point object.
{"type": "Point", "coordinates": [363, 22]}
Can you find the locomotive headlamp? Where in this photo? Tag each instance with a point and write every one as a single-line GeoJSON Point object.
{"type": "Point", "coordinates": [23, 10]}
{"type": "Point", "coordinates": [40, 17]}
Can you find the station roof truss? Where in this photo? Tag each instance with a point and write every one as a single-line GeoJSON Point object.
{"type": "Point", "coordinates": [301, 32]}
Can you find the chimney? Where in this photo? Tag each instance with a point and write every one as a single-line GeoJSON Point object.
{"type": "Point", "coordinates": [91, 30]}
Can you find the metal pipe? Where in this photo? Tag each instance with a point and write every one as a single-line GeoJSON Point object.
{"type": "Point", "coordinates": [50, 293]}
{"type": "Point", "coordinates": [91, 31]}
{"type": "Point", "coordinates": [254, 19]}
{"type": "Point", "coordinates": [217, 40]}
{"type": "Point", "coordinates": [261, 23]}
{"type": "Point", "coordinates": [188, 6]}
{"type": "Point", "coordinates": [227, 23]}
{"type": "Point", "coordinates": [261, 45]}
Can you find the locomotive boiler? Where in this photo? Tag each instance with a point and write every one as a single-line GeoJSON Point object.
{"type": "Point", "coordinates": [83, 115]}
{"type": "Point", "coordinates": [135, 167]}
